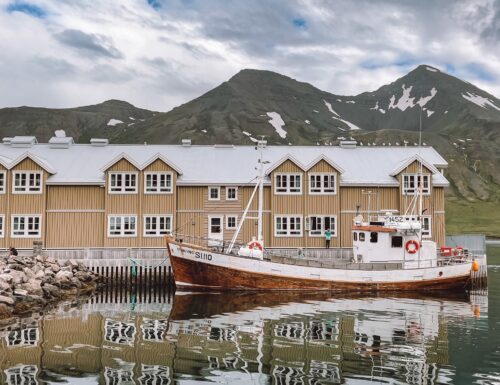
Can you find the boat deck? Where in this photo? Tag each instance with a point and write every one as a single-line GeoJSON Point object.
{"type": "Point", "coordinates": [335, 264]}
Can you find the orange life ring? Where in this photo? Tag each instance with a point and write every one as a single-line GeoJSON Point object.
{"type": "Point", "coordinates": [255, 245]}
{"type": "Point", "coordinates": [412, 246]}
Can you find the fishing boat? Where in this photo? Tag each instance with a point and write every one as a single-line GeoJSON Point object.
{"type": "Point", "coordinates": [388, 254]}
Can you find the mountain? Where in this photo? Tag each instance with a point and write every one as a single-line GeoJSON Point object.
{"type": "Point", "coordinates": [459, 119]}
{"type": "Point", "coordinates": [81, 123]}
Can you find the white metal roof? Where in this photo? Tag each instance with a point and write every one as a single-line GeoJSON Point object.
{"type": "Point", "coordinates": [84, 163]}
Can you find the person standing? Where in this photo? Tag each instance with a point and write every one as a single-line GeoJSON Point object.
{"type": "Point", "coordinates": [328, 237]}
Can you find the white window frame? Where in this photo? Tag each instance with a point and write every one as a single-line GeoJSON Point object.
{"type": "Point", "coordinates": [287, 190]}
{"type": "Point", "coordinates": [158, 189]}
{"type": "Point", "coordinates": [321, 189]}
{"type": "Point", "coordinates": [25, 189]}
{"type": "Point", "coordinates": [158, 232]}
{"type": "Point", "coordinates": [288, 232]}
{"type": "Point", "coordinates": [321, 233]}
{"type": "Point", "coordinates": [122, 230]}
{"type": "Point", "coordinates": [121, 189]}
{"type": "Point", "coordinates": [2, 226]}
{"type": "Point", "coordinates": [414, 190]}
{"type": "Point", "coordinates": [25, 234]}
{"type": "Point", "coordinates": [235, 222]}
{"type": "Point", "coordinates": [427, 233]}
{"type": "Point", "coordinates": [210, 195]}
{"type": "Point", "coordinates": [235, 193]}
{"type": "Point", "coordinates": [3, 182]}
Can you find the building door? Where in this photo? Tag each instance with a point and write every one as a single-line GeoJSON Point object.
{"type": "Point", "coordinates": [215, 231]}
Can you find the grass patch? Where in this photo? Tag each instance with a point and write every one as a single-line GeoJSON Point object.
{"type": "Point", "coordinates": [472, 217]}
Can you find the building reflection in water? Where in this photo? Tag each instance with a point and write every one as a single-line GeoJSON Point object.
{"type": "Point", "coordinates": [266, 338]}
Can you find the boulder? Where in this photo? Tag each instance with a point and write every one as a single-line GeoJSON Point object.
{"type": "Point", "coordinates": [5, 277]}
{"type": "Point", "coordinates": [63, 276]}
{"type": "Point", "coordinates": [7, 300]}
{"type": "Point", "coordinates": [21, 292]}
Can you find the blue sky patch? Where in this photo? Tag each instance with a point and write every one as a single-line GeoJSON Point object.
{"type": "Point", "coordinates": [27, 8]}
{"type": "Point", "coordinates": [300, 23]}
{"type": "Point", "coordinates": [155, 4]}
{"type": "Point", "coordinates": [480, 72]}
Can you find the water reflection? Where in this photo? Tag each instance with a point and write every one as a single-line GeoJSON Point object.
{"type": "Point", "coordinates": [241, 338]}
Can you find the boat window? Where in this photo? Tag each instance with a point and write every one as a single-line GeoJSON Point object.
{"type": "Point", "coordinates": [361, 237]}
{"type": "Point", "coordinates": [373, 237]}
{"type": "Point", "coordinates": [355, 236]}
{"type": "Point", "coordinates": [397, 241]}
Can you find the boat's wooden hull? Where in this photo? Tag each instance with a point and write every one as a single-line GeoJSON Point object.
{"type": "Point", "coordinates": [217, 274]}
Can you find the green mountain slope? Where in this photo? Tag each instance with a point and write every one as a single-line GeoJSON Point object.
{"type": "Point", "coordinates": [81, 123]}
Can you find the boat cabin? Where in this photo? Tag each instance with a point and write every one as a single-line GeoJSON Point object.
{"type": "Point", "coordinates": [392, 239]}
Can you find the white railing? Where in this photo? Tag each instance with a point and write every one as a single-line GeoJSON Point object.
{"type": "Point", "coordinates": [106, 253]}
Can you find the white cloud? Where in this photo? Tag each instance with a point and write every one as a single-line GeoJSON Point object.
{"type": "Point", "coordinates": [160, 58]}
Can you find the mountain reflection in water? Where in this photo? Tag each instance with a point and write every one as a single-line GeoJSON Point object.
{"type": "Point", "coordinates": [251, 338]}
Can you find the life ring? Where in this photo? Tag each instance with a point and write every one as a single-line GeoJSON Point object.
{"type": "Point", "coordinates": [255, 245]}
{"type": "Point", "coordinates": [412, 246]}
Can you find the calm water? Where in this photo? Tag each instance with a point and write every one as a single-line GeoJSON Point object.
{"type": "Point", "coordinates": [262, 339]}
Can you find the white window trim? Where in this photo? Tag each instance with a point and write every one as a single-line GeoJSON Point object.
{"type": "Point", "coordinates": [123, 173]}
{"type": "Point", "coordinates": [157, 234]}
{"type": "Point", "coordinates": [3, 188]}
{"type": "Point", "coordinates": [415, 175]}
{"type": "Point", "coordinates": [157, 192]}
{"type": "Point", "coordinates": [236, 195]}
{"type": "Point", "coordinates": [218, 193]}
{"type": "Point", "coordinates": [301, 175]}
{"type": "Point", "coordinates": [289, 235]}
{"type": "Point", "coordinates": [14, 173]}
{"type": "Point", "coordinates": [235, 222]}
{"type": "Point", "coordinates": [121, 235]}
{"type": "Point", "coordinates": [12, 235]}
{"type": "Point", "coordinates": [322, 174]}
{"type": "Point", "coordinates": [2, 228]}
{"type": "Point", "coordinates": [334, 233]}
{"type": "Point", "coordinates": [430, 226]}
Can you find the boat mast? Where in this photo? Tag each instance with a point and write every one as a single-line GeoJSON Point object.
{"type": "Point", "coordinates": [260, 144]}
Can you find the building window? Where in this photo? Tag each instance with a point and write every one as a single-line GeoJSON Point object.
{"type": "Point", "coordinates": [397, 241]}
{"type": "Point", "coordinates": [157, 225]}
{"type": "Point", "coordinates": [322, 184]}
{"type": "Point", "coordinates": [231, 222]}
{"type": "Point", "coordinates": [2, 182]}
{"type": "Point", "coordinates": [373, 237]}
{"type": "Point", "coordinates": [27, 182]}
{"type": "Point", "coordinates": [426, 227]}
{"type": "Point", "coordinates": [158, 183]}
{"type": "Point", "coordinates": [319, 224]}
{"type": "Point", "coordinates": [214, 193]}
{"type": "Point", "coordinates": [26, 226]}
{"type": "Point", "coordinates": [411, 183]}
{"type": "Point", "coordinates": [288, 184]}
{"type": "Point", "coordinates": [231, 193]}
{"type": "Point", "coordinates": [288, 226]}
{"type": "Point", "coordinates": [361, 237]}
{"type": "Point", "coordinates": [2, 225]}
{"type": "Point", "coordinates": [123, 183]}
{"type": "Point", "coordinates": [122, 226]}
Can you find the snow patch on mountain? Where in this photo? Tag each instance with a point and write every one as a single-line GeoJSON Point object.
{"type": "Point", "coordinates": [329, 106]}
{"type": "Point", "coordinates": [247, 133]}
{"type": "Point", "coordinates": [316, 111]}
{"type": "Point", "coordinates": [479, 100]}
{"type": "Point", "coordinates": [423, 100]}
{"type": "Point", "coordinates": [404, 101]}
{"type": "Point", "coordinates": [376, 108]}
{"type": "Point", "coordinates": [60, 133]}
{"type": "Point", "coordinates": [278, 123]}
{"type": "Point", "coordinates": [431, 69]}
{"type": "Point", "coordinates": [351, 126]}
{"type": "Point", "coordinates": [307, 121]}
{"type": "Point", "coordinates": [114, 122]}
{"type": "Point", "coordinates": [131, 118]}
{"type": "Point", "coordinates": [351, 101]}
{"type": "Point", "coordinates": [429, 113]}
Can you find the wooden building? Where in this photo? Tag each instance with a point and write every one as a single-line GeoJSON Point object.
{"type": "Point", "coordinates": [97, 195]}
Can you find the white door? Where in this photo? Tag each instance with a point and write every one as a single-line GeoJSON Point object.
{"type": "Point", "coordinates": [215, 231]}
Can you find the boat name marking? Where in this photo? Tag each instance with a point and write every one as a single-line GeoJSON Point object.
{"type": "Point", "coordinates": [201, 255]}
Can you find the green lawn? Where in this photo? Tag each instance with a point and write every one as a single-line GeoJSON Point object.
{"type": "Point", "coordinates": [472, 217]}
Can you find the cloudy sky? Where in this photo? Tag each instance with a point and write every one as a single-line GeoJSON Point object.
{"type": "Point", "coordinates": [158, 54]}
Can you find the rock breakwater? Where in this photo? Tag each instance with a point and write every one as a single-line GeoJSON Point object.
{"type": "Point", "coordinates": [28, 284]}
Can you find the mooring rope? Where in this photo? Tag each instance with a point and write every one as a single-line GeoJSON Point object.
{"type": "Point", "coordinates": [135, 263]}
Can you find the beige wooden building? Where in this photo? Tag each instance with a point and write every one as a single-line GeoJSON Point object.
{"type": "Point", "coordinates": [99, 195]}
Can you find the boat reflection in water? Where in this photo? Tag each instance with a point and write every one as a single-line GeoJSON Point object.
{"type": "Point", "coordinates": [265, 338]}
